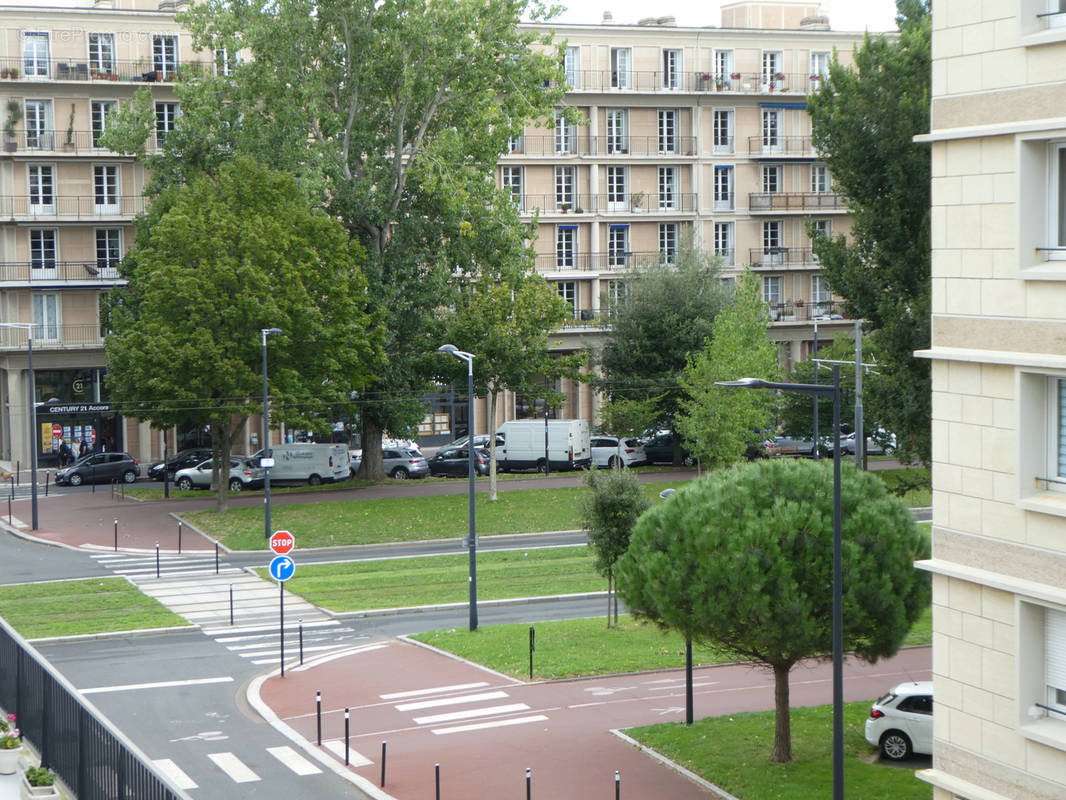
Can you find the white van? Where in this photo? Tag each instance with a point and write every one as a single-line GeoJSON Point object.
{"type": "Point", "coordinates": [523, 445]}
{"type": "Point", "coordinates": [305, 461]}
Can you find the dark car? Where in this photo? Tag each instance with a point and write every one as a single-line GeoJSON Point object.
{"type": "Point", "coordinates": [659, 449]}
{"type": "Point", "coordinates": [100, 468]}
{"type": "Point", "coordinates": [454, 462]}
{"type": "Point", "coordinates": [181, 460]}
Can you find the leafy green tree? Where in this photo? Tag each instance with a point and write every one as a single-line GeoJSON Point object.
{"type": "Point", "coordinates": [215, 262]}
{"type": "Point", "coordinates": [863, 123]}
{"type": "Point", "coordinates": [609, 510]}
{"type": "Point", "coordinates": [743, 558]}
{"type": "Point", "coordinates": [721, 424]}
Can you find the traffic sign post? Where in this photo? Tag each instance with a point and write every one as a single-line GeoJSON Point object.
{"type": "Point", "coordinates": [281, 542]}
{"type": "Point", "coordinates": [281, 569]}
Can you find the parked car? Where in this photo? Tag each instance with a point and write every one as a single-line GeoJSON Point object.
{"type": "Point", "coordinates": [790, 446]}
{"type": "Point", "coordinates": [400, 463]}
{"type": "Point", "coordinates": [454, 462]}
{"type": "Point", "coordinates": [242, 475]}
{"type": "Point", "coordinates": [901, 722]}
{"type": "Point", "coordinates": [180, 460]}
{"type": "Point", "coordinates": [481, 440]}
{"type": "Point", "coordinates": [878, 443]}
{"type": "Point", "coordinates": [606, 452]}
{"type": "Point", "coordinates": [659, 449]}
{"type": "Point", "coordinates": [100, 468]}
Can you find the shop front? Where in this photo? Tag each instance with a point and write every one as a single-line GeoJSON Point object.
{"type": "Point", "coordinates": [71, 409]}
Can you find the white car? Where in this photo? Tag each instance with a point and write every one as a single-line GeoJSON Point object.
{"type": "Point", "coordinates": [901, 722]}
{"type": "Point", "coordinates": [605, 452]}
{"type": "Point", "coordinates": [878, 443]}
{"type": "Point", "coordinates": [242, 475]}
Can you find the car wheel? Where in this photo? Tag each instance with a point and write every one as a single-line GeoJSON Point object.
{"type": "Point", "coordinates": [235, 484]}
{"type": "Point", "coordinates": [314, 480]}
{"type": "Point", "coordinates": [129, 476]}
{"type": "Point", "coordinates": [688, 461]}
{"type": "Point", "coordinates": [895, 746]}
{"type": "Point", "coordinates": [612, 462]}
{"type": "Point", "coordinates": [542, 467]}
{"type": "Point", "coordinates": [184, 483]}
{"type": "Point", "coordinates": [75, 479]}
{"type": "Point", "coordinates": [400, 474]}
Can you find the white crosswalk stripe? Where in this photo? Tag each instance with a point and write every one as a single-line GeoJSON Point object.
{"type": "Point", "coordinates": [234, 767]}
{"type": "Point", "coordinates": [239, 772]}
{"type": "Point", "coordinates": [492, 716]}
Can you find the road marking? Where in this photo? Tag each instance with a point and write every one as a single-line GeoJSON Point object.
{"type": "Point", "coordinates": [417, 692]}
{"type": "Point", "coordinates": [204, 736]}
{"type": "Point", "coordinates": [355, 758]}
{"type": "Point", "coordinates": [601, 690]}
{"type": "Point", "coordinates": [471, 712]}
{"type": "Point", "coordinates": [293, 760]}
{"type": "Point", "coordinates": [451, 701]}
{"type": "Point", "coordinates": [482, 725]}
{"type": "Point", "coordinates": [342, 654]}
{"type": "Point", "coordinates": [175, 773]}
{"type": "Point", "coordinates": [680, 684]}
{"type": "Point", "coordinates": [234, 767]}
{"type": "Point", "coordinates": [160, 685]}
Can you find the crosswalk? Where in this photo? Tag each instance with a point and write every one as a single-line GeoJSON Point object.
{"type": "Point", "coordinates": [235, 769]}
{"type": "Point", "coordinates": [481, 710]}
{"type": "Point", "coordinates": [233, 606]}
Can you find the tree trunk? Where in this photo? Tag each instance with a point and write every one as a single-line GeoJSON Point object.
{"type": "Point", "coordinates": [614, 595]}
{"type": "Point", "coordinates": [609, 583]}
{"type": "Point", "coordinates": [493, 393]}
{"type": "Point", "coordinates": [373, 467]}
{"type": "Point", "coordinates": [220, 450]}
{"type": "Point", "coordinates": [782, 723]}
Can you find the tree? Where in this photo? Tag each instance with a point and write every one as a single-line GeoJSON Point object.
{"type": "Point", "coordinates": [667, 314]}
{"type": "Point", "coordinates": [743, 559]}
{"type": "Point", "coordinates": [609, 510]}
{"type": "Point", "coordinates": [796, 413]}
{"type": "Point", "coordinates": [863, 124]}
{"type": "Point", "coordinates": [394, 113]}
{"type": "Point", "coordinates": [721, 424]}
{"type": "Point", "coordinates": [215, 262]}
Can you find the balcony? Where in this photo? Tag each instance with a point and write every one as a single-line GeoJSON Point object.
{"type": "Point", "coordinates": [53, 337]}
{"type": "Point", "coordinates": [781, 147]}
{"type": "Point", "coordinates": [591, 80]}
{"type": "Point", "coordinates": [634, 203]}
{"type": "Point", "coordinates": [774, 202]}
{"type": "Point", "coordinates": [801, 311]}
{"type": "Point", "coordinates": [53, 142]}
{"type": "Point", "coordinates": [595, 262]}
{"type": "Point", "coordinates": [776, 258]}
{"type": "Point", "coordinates": [584, 145]}
{"type": "Point", "coordinates": [18, 208]}
{"type": "Point", "coordinates": [48, 274]}
{"type": "Point", "coordinates": [16, 68]}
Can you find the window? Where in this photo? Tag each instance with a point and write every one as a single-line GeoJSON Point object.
{"type": "Point", "coordinates": [723, 188]}
{"type": "Point", "coordinates": [617, 193]}
{"type": "Point", "coordinates": [566, 246]}
{"type": "Point", "coordinates": [771, 242]}
{"type": "Point", "coordinates": [39, 133]}
{"type": "Point", "coordinates": [771, 179]}
{"type": "Point", "coordinates": [617, 140]}
{"type": "Point", "coordinates": [1040, 449]}
{"type": "Point", "coordinates": [1055, 15]}
{"type": "Point", "coordinates": [99, 111]}
{"type": "Point", "coordinates": [165, 55]}
{"type": "Point", "coordinates": [667, 131]}
{"type": "Point", "coordinates": [41, 180]}
{"type": "Point", "coordinates": [771, 289]}
{"type": "Point", "coordinates": [42, 249]}
{"type": "Point", "coordinates": [819, 178]}
{"type": "Point", "coordinates": [102, 52]}
{"type": "Point", "coordinates": [35, 56]}
{"type": "Point", "coordinates": [723, 66]}
{"type": "Point", "coordinates": [668, 242]}
{"type": "Point", "coordinates": [667, 188]}
{"type": "Point", "coordinates": [108, 250]}
{"type": "Point", "coordinates": [771, 70]}
{"type": "Point", "coordinates": [46, 316]}
{"type": "Point", "coordinates": [1041, 192]}
{"type": "Point", "coordinates": [671, 69]}
{"type": "Point", "coordinates": [621, 68]}
{"type": "Point", "coordinates": [819, 291]}
{"type": "Point", "coordinates": [615, 294]}
{"type": "Point", "coordinates": [723, 130]}
{"type": "Point", "coordinates": [516, 144]}
{"type": "Point", "coordinates": [618, 247]}
{"type": "Point", "coordinates": [564, 134]}
{"type": "Point", "coordinates": [822, 226]}
{"type": "Point", "coordinates": [723, 241]}
{"type": "Point", "coordinates": [572, 67]}
{"type": "Point", "coordinates": [771, 135]}
{"type": "Point", "coordinates": [512, 183]}
{"type": "Point", "coordinates": [1041, 672]}
{"type": "Point", "coordinates": [819, 64]}
{"type": "Point", "coordinates": [225, 62]}
{"type": "Point", "coordinates": [105, 189]}
{"type": "Point", "coordinates": [564, 188]}
{"type": "Point", "coordinates": [568, 291]}
{"type": "Point", "coordinates": [166, 117]}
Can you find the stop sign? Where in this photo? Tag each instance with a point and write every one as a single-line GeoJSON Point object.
{"type": "Point", "coordinates": [282, 542]}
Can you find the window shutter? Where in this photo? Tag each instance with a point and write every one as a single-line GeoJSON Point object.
{"type": "Point", "coordinates": [1055, 648]}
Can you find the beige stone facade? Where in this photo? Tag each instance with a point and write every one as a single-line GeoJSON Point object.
{"type": "Point", "coordinates": [999, 399]}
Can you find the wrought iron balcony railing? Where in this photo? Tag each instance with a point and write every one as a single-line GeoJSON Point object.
{"type": "Point", "coordinates": [147, 70]}
{"type": "Point", "coordinates": [581, 144]}
{"type": "Point", "coordinates": [634, 203]}
{"type": "Point", "coordinates": [79, 207]}
{"type": "Point", "coordinates": [795, 201]}
{"type": "Point", "coordinates": [35, 143]}
{"type": "Point", "coordinates": [53, 337]}
{"type": "Point", "coordinates": [62, 273]}
{"type": "Point", "coordinates": [781, 257]}
{"type": "Point", "coordinates": [591, 80]}
{"type": "Point", "coordinates": [806, 311]}
{"type": "Point", "coordinates": [781, 147]}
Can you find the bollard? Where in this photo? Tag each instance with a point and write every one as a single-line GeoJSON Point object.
{"type": "Point", "coordinates": [382, 763]}
{"type": "Point", "coordinates": [47, 476]}
{"type": "Point", "coordinates": [116, 535]}
{"type": "Point", "coordinates": [318, 715]}
{"type": "Point", "coordinates": [179, 536]}
{"type": "Point", "coordinates": [231, 604]}
{"type": "Point", "coordinates": [216, 556]}
{"type": "Point", "coordinates": [9, 510]}
{"type": "Point", "coordinates": [532, 647]}
{"type": "Point", "coordinates": [18, 473]}
{"type": "Point", "coordinates": [529, 784]}
{"type": "Point", "coordinates": [617, 785]}
{"type": "Point", "coordinates": [157, 559]}
{"type": "Point", "coordinates": [437, 770]}
{"type": "Point", "coordinates": [301, 623]}
{"type": "Point", "coordinates": [345, 737]}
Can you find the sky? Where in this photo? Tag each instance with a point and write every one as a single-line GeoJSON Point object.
{"type": "Point", "coordinates": [844, 15]}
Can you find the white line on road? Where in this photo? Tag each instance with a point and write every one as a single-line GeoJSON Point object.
{"type": "Point", "coordinates": [355, 758]}
{"type": "Point", "coordinates": [482, 725]}
{"type": "Point", "coordinates": [451, 701]}
{"type": "Point", "coordinates": [175, 773]}
{"type": "Point", "coordinates": [234, 767]}
{"type": "Point", "coordinates": [333, 656]}
{"type": "Point", "coordinates": [471, 712]}
{"type": "Point", "coordinates": [417, 692]}
{"type": "Point", "coordinates": [159, 685]}
{"type": "Point", "coordinates": [293, 760]}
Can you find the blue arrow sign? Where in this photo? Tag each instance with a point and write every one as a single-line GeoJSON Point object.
{"type": "Point", "coordinates": [282, 568]}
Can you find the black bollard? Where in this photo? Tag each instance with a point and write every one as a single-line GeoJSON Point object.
{"type": "Point", "coordinates": [116, 535]}
{"type": "Point", "coordinates": [318, 715]}
{"type": "Point", "coordinates": [179, 536]}
{"type": "Point", "coordinates": [157, 559]}
{"type": "Point", "coordinates": [437, 769]}
{"type": "Point", "coordinates": [231, 604]}
{"type": "Point", "coordinates": [532, 647]}
{"type": "Point", "coordinates": [345, 737]}
{"type": "Point", "coordinates": [617, 786]}
{"type": "Point", "coordinates": [383, 763]}
{"type": "Point", "coordinates": [216, 557]}
{"type": "Point", "coordinates": [301, 624]}
{"type": "Point", "coordinates": [529, 784]}
{"type": "Point", "coordinates": [47, 476]}
{"type": "Point", "coordinates": [9, 510]}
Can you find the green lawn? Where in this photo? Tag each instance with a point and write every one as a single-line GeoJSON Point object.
{"type": "Point", "coordinates": [733, 752]}
{"type": "Point", "coordinates": [68, 608]}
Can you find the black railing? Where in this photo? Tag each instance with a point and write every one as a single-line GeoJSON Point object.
{"type": "Point", "coordinates": [65, 272]}
{"type": "Point", "coordinates": [77, 207]}
{"type": "Point", "coordinates": [581, 144]}
{"type": "Point", "coordinates": [806, 311]}
{"type": "Point", "coordinates": [78, 69]}
{"type": "Point", "coordinates": [76, 741]}
{"type": "Point", "coordinates": [795, 201]}
{"type": "Point", "coordinates": [593, 80]}
{"type": "Point", "coordinates": [776, 257]}
{"type": "Point", "coordinates": [595, 262]}
{"type": "Point", "coordinates": [779, 146]}
{"type": "Point", "coordinates": [634, 203]}
{"type": "Point", "coordinates": [76, 142]}
{"type": "Point", "coordinates": [85, 336]}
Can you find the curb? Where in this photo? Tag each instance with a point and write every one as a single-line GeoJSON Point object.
{"type": "Point", "coordinates": [680, 770]}
{"type": "Point", "coordinates": [513, 601]}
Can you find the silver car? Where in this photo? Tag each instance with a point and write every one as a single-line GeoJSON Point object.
{"type": "Point", "coordinates": [242, 475]}
{"type": "Point", "coordinates": [400, 462]}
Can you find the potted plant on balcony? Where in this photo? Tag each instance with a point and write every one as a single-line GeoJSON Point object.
{"type": "Point", "coordinates": [735, 76]}
{"type": "Point", "coordinates": [10, 746]}
{"type": "Point", "coordinates": [69, 143]}
{"type": "Point", "coordinates": [14, 116]}
{"type": "Point", "coordinates": [15, 73]}
{"type": "Point", "coordinates": [38, 782]}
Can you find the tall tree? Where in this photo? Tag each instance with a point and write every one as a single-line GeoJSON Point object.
{"type": "Point", "coordinates": [215, 262]}
{"type": "Point", "coordinates": [721, 424]}
{"type": "Point", "coordinates": [743, 559]}
{"type": "Point", "coordinates": [396, 111]}
{"type": "Point", "coordinates": [797, 410]}
{"type": "Point", "coordinates": [863, 124]}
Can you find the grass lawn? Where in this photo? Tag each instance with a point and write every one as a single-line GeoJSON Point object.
{"type": "Point", "coordinates": [734, 753]}
{"type": "Point", "coordinates": [913, 484]}
{"type": "Point", "coordinates": [69, 608]}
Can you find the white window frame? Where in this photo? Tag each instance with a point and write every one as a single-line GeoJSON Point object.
{"type": "Point", "coordinates": [669, 191]}
{"type": "Point", "coordinates": [166, 120]}
{"type": "Point", "coordinates": [100, 110]}
{"type": "Point", "coordinates": [226, 62]}
{"type": "Point", "coordinates": [617, 189]}
{"type": "Point", "coordinates": [106, 189]}
{"type": "Point", "coordinates": [820, 63]}
{"type": "Point", "coordinates": [565, 135]}
{"type": "Point", "coordinates": [572, 67]}
{"type": "Point", "coordinates": [772, 242]}
{"type": "Point", "coordinates": [36, 54]}
{"type": "Point", "coordinates": [723, 125]}
{"type": "Point", "coordinates": [617, 130]}
{"type": "Point", "coordinates": [773, 290]}
{"type": "Point", "coordinates": [41, 188]}
{"type": "Point", "coordinates": [819, 291]}
{"type": "Point", "coordinates": [723, 67]}
{"type": "Point", "coordinates": [1039, 439]}
{"type": "Point", "coordinates": [723, 188]}
{"type": "Point", "coordinates": [111, 248]}
{"type": "Point", "coordinates": [669, 235]}
{"type": "Point", "coordinates": [618, 247]}
{"type": "Point", "coordinates": [516, 144]}
{"type": "Point", "coordinates": [772, 63]}
{"type": "Point", "coordinates": [819, 179]}
{"type": "Point", "coordinates": [621, 68]}
{"type": "Point", "coordinates": [39, 125]}
{"type": "Point", "coordinates": [723, 242]}
{"type": "Point", "coordinates": [1040, 713]}
{"type": "Point", "coordinates": [47, 313]}
{"type": "Point", "coordinates": [672, 69]}
{"type": "Point", "coordinates": [1041, 216]}
{"type": "Point", "coordinates": [565, 181]}
{"type": "Point", "coordinates": [165, 58]}
{"type": "Point", "coordinates": [771, 130]}
{"type": "Point", "coordinates": [566, 247]}
{"type": "Point", "coordinates": [568, 291]}
{"type": "Point", "coordinates": [616, 294]}
{"type": "Point", "coordinates": [512, 180]}
{"type": "Point", "coordinates": [44, 251]}
{"type": "Point", "coordinates": [667, 119]}
{"type": "Point", "coordinates": [101, 51]}
{"type": "Point", "coordinates": [771, 179]}
{"type": "Point", "coordinates": [1041, 22]}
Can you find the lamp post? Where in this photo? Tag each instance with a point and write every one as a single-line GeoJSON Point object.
{"type": "Point", "coordinates": [266, 462]}
{"type": "Point", "coordinates": [28, 327]}
{"type": "Point", "coordinates": [832, 390]}
{"type": "Point", "coordinates": [472, 536]}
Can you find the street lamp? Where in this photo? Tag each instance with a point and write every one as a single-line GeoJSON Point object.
{"type": "Point", "coordinates": [472, 537]}
{"type": "Point", "coordinates": [266, 462]}
{"type": "Point", "coordinates": [832, 390]}
{"type": "Point", "coordinates": [33, 418]}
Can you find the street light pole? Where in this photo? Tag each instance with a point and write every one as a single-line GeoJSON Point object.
{"type": "Point", "coordinates": [266, 462]}
{"type": "Point", "coordinates": [833, 390]}
{"type": "Point", "coordinates": [472, 535]}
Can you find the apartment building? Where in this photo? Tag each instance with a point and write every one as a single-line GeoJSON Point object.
{"type": "Point", "coordinates": [998, 139]}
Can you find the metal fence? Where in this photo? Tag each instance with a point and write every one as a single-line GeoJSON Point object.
{"type": "Point", "coordinates": [90, 755]}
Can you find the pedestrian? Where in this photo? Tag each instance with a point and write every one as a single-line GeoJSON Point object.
{"type": "Point", "coordinates": [83, 449]}
{"type": "Point", "coordinates": [66, 455]}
